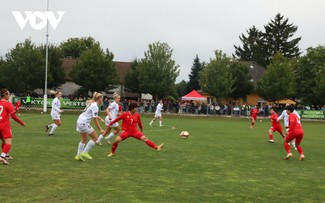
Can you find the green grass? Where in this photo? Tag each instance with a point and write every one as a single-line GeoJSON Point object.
{"type": "Point", "coordinates": [222, 161]}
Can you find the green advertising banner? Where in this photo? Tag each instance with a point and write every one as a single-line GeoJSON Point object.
{"type": "Point", "coordinates": [65, 103]}
{"type": "Point", "coordinates": [313, 114]}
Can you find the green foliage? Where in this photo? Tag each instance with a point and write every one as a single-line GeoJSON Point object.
{"type": "Point", "coordinates": [252, 47]}
{"type": "Point", "coordinates": [216, 78]}
{"type": "Point", "coordinates": [278, 37]}
{"type": "Point", "coordinates": [278, 82]}
{"type": "Point", "coordinates": [181, 88]}
{"type": "Point", "coordinates": [193, 83]}
{"type": "Point", "coordinates": [74, 47]}
{"type": "Point", "coordinates": [157, 71]}
{"type": "Point", "coordinates": [24, 68]}
{"type": "Point", "coordinates": [243, 84]}
{"type": "Point", "coordinates": [309, 74]}
{"type": "Point", "coordinates": [95, 70]}
{"type": "Point", "coordinates": [56, 74]}
{"type": "Point", "coordinates": [260, 46]}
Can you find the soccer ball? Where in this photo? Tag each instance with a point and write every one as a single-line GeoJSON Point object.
{"type": "Point", "coordinates": [184, 134]}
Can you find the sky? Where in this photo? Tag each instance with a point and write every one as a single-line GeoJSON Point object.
{"type": "Point", "coordinates": [189, 27]}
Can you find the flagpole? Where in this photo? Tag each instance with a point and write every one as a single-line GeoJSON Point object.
{"type": "Point", "coordinates": [46, 61]}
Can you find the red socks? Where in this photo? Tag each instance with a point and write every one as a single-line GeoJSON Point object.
{"type": "Point", "coordinates": [253, 123]}
{"type": "Point", "coordinates": [300, 150]}
{"type": "Point", "coordinates": [271, 136]}
{"type": "Point", "coordinates": [287, 147]}
{"type": "Point", "coordinates": [151, 144]}
{"type": "Point", "coordinates": [114, 147]}
{"type": "Point", "coordinates": [6, 148]}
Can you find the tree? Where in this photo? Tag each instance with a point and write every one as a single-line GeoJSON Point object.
{"type": "Point", "coordinates": [193, 83]}
{"type": "Point", "coordinates": [95, 70]}
{"type": "Point", "coordinates": [181, 88]}
{"type": "Point", "coordinates": [260, 46]}
{"type": "Point", "coordinates": [278, 81]}
{"type": "Point", "coordinates": [157, 71]}
{"type": "Point", "coordinates": [24, 67]}
{"type": "Point", "coordinates": [74, 47]}
{"type": "Point", "coordinates": [320, 86]}
{"type": "Point", "coordinates": [278, 38]}
{"type": "Point", "coordinates": [308, 75]}
{"type": "Point", "coordinates": [243, 84]}
{"type": "Point", "coordinates": [252, 47]}
{"type": "Point", "coordinates": [216, 78]}
{"type": "Point", "coordinates": [56, 74]}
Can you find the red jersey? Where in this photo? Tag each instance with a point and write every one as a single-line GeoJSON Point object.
{"type": "Point", "coordinates": [18, 104]}
{"type": "Point", "coordinates": [6, 109]}
{"type": "Point", "coordinates": [254, 112]}
{"type": "Point", "coordinates": [129, 121]}
{"type": "Point", "coordinates": [275, 123]}
{"type": "Point", "coordinates": [295, 125]}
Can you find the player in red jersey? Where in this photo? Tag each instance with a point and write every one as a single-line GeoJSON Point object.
{"type": "Point", "coordinates": [295, 132]}
{"type": "Point", "coordinates": [6, 110]}
{"type": "Point", "coordinates": [254, 113]}
{"type": "Point", "coordinates": [131, 119]}
{"type": "Point", "coordinates": [276, 125]}
{"type": "Point", "coordinates": [17, 105]}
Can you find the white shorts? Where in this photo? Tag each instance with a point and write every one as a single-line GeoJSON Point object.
{"type": "Point", "coordinates": [107, 121]}
{"type": "Point", "coordinates": [55, 116]}
{"type": "Point", "coordinates": [84, 128]}
{"type": "Point", "coordinates": [157, 115]}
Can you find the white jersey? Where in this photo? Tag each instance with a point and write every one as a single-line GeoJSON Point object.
{"type": "Point", "coordinates": [56, 105]}
{"type": "Point", "coordinates": [113, 110]}
{"type": "Point", "coordinates": [285, 117]}
{"type": "Point", "coordinates": [91, 111]}
{"type": "Point", "coordinates": [158, 110]}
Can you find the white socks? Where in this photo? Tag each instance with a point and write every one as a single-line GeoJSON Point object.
{"type": "Point", "coordinates": [80, 148]}
{"type": "Point", "coordinates": [89, 145]}
{"type": "Point", "coordinates": [54, 126]}
{"type": "Point", "coordinates": [109, 136]}
{"type": "Point", "coordinates": [160, 123]}
{"type": "Point", "coordinates": [100, 138]}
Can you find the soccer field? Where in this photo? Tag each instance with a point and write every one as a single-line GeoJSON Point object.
{"type": "Point", "coordinates": [223, 160]}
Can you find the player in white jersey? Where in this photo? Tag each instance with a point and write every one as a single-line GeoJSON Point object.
{"type": "Point", "coordinates": [285, 118]}
{"type": "Point", "coordinates": [158, 114]}
{"type": "Point", "coordinates": [85, 129]}
{"type": "Point", "coordinates": [55, 114]}
{"type": "Point", "coordinates": [112, 112]}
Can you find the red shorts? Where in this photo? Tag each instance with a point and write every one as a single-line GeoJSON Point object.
{"type": "Point", "coordinates": [277, 129]}
{"type": "Point", "coordinates": [292, 136]}
{"type": "Point", "coordinates": [137, 135]}
{"type": "Point", "coordinates": [254, 117]}
{"type": "Point", "coordinates": [5, 132]}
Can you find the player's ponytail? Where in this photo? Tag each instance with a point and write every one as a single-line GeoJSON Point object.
{"type": "Point", "coordinates": [95, 98]}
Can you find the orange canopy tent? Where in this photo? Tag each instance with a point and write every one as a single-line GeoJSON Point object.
{"type": "Point", "coordinates": [194, 95]}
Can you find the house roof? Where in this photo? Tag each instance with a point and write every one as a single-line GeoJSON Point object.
{"type": "Point", "coordinates": [256, 71]}
{"type": "Point", "coordinates": [121, 67]}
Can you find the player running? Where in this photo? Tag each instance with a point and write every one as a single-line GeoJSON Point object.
{"type": "Point", "coordinates": [295, 132]}
{"type": "Point", "coordinates": [158, 114]}
{"type": "Point", "coordinates": [254, 112]}
{"type": "Point", "coordinates": [55, 114]}
{"type": "Point", "coordinates": [276, 125]}
{"type": "Point", "coordinates": [112, 112]}
{"type": "Point", "coordinates": [130, 120]}
{"type": "Point", "coordinates": [285, 118]}
{"type": "Point", "coordinates": [84, 127]}
{"type": "Point", "coordinates": [6, 110]}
